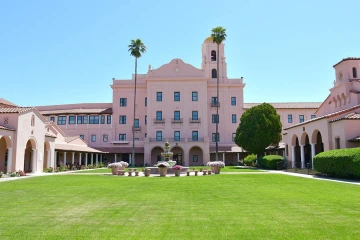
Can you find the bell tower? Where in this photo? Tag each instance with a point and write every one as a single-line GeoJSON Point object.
{"type": "Point", "coordinates": [210, 56]}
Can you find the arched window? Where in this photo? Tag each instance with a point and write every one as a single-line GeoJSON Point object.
{"type": "Point", "coordinates": [213, 55]}
{"type": "Point", "coordinates": [32, 120]}
{"type": "Point", "coordinates": [354, 72]}
{"type": "Point", "coordinates": [213, 73]}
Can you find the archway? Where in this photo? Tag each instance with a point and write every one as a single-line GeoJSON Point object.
{"type": "Point", "coordinates": [5, 143]}
{"type": "Point", "coordinates": [317, 139]}
{"type": "Point", "coordinates": [46, 158]}
{"type": "Point", "coordinates": [156, 155]}
{"type": "Point", "coordinates": [307, 148]}
{"type": "Point", "coordinates": [196, 156]}
{"type": "Point", "coordinates": [30, 156]}
{"type": "Point", "coordinates": [297, 153]}
{"type": "Point", "coordinates": [178, 155]}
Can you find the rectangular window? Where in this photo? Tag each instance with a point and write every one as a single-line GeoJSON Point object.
{"type": "Point", "coordinates": [52, 119]}
{"type": "Point", "coordinates": [233, 101]}
{"type": "Point", "coordinates": [195, 135]}
{"type": "Point", "coordinates": [145, 135]}
{"type": "Point", "coordinates": [146, 102]}
{"type": "Point", "coordinates": [85, 119]}
{"type": "Point", "coordinates": [176, 96]}
{"type": "Point", "coordinates": [176, 115]}
{"type": "Point", "coordinates": [93, 138]}
{"type": "Point", "coordinates": [214, 101]}
{"type": "Point", "coordinates": [233, 137]}
{"type": "Point", "coordinates": [215, 119]}
{"type": "Point", "coordinates": [158, 158]}
{"type": "Point", "coordinates": [158, 115]}
{"type": "Point", "coordinates": [287, 150]}
{"type": "Point", "coordinates": [122, 119]}
{"type": "Point", "coordinates": [102, 119]}
{"type": "Point", "coordinates": [301, 118]}
{"type": "Point", "coordinates": [72, 119]}
{"type": "Point", "coordinates": [195, 158]}
{"type": "Point", "coordinates": [290, 118]}
{"type": "Point", "coordinates": [337, 143]}
{"type": "Point", "coordinates": [136, 139]}
{"type": "Point", "coordinates": [145, 119]}
{"type": "Point", "coordinates": [177, 136]}
{"type": "Point", "coordinates": [123, 102]}
{"type": "Point", "coordinates": [233, 118]}
{"type": "Point", "coordinates": [122, 137]}
{"type": "Point", "coordinates": [194, 96]}
{"type": "Point", "coordinates": [195, 115]}
{"type": "Point", "coordinates": [159, 96]}
{"type": "Point", "coordinates": [93, 119]}
{"type": "Point", "coordinates": [214, 139]}
{"type": "Point", "coordinates": [159, 136]}
{"type": "Point", "coordinates": [108, 119]}
{"type": "Point", "coordinates": [79, 119]}
{"type": "Point", "coordinates": [137, 123]}
{"type": "Point", "coordinates": [313, 116]}
{"type": "Point", "coordinates": [105, 138]}
{"type": "Point", "coordinates": [82, 137]}
{"type": "Point", "coordinates": [61, 120]}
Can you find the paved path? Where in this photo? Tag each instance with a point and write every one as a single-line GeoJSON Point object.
{"type": "Point", "coordinates": [141, 174]}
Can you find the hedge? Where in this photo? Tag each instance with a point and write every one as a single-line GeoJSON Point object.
{"type": "Point", "coordinates": [270, 161]}
{"type": "Point", "coordinates": [250, 159]}
{"type": "Point", "coordinates": [339, 162]}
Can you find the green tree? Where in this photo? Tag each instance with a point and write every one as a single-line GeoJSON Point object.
{"type": "Point", "coordinates": [136, 48]}
{"type": "Point", "coordinates": [218, 35]}
{"type": "Point", "coordinates": [259, 127]}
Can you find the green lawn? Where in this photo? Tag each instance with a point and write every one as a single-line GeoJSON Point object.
{"type": "Point", "coordinates": [225, 169]}
{"type": "Point", "coordinates": [261, 206]}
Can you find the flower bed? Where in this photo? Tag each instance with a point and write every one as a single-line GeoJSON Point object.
{"type": "Point", "coordinates": [216, 164]}
{"type": "Point", "coordinates": [177, 167]}
{"type": "Point", "coordinates": [163, 164]}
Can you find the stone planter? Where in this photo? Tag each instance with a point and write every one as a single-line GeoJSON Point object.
{"type": "Point", "coordinates": [177, 172]}
{"type": "Point", "coordinates": [147, 172]}
{"type": "Point", "coordinates": [114, 170]}
{"type": "Point", "coordinates": [162, 171]}
{"type": "Point", "coordinates": [215, 170]}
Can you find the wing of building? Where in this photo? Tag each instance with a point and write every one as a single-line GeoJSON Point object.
{"type": "Point", "coordinates": [176, 103]}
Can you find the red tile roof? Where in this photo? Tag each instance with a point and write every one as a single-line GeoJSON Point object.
{"type": "Point", "coordinates": [330, 115]}
{"type": "Point", "coordinates": [350, 116]}
{"type": "Point", "coordinates": [15, 109]}
{"type": "Point", "coordinates": [288, 105]}
{"type": "Point", "coordinates": [120, 149]}
{"type": "Point", "coordinates": [78, 111]}
{"type": "Point", "coordinates": [6, 128]}
{"type": "Point", "coordinates": [346, 59]}
{"type": "Point", "coordinates": [355, 139]}
{"type": "Point", "coordinates": [6, 102]}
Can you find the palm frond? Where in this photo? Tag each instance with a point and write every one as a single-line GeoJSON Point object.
{"type": "Point", "coordinates": [136, 48]}
{"type": "Point", "coordinates": [218, 34]}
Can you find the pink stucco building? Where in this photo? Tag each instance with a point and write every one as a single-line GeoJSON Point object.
{"type": "Point", "coordinates": [176, 102]}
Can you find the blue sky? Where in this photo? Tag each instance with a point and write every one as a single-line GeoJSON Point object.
{"type": "Point", "coordinates": [285, 50]}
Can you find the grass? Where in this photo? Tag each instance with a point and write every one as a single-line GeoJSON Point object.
{"type": "Point", "coordinates": [261, 206]}
{"type": "Point", "coordinates": [225, 169]}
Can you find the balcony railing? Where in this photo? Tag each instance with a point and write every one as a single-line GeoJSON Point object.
{"type": "Point", "coordinates": [159, 120]}
{"type": "Point", "coordinates": [137, 128]}
{"type": "Point", "coordinates": [214, 104]}
{"type": "Point", "coordinates": [194, 120]}
{"type": "Point", "coordinates": [176, 139]}
{"type": "Point", "coordinates": [157, 139]}
{"type": "Point", "coordinates": [195, 139]}
{"type": "Point", "coordinates": [176, 120]}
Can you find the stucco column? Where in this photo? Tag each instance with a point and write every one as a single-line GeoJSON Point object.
{"type": "Point", "coordinates": [34, 163]}
{"type": "Point", "coordinates": [293, 156]}
{"type": "Point", "coordinates": [86, 158]}
{"type": "Point", "coordinates": [101, 158]}
{"type": "Point", "coordinates": [64, 158]}
{"type": "Point", "coordinates": [9, 160]}
{"type": "Point", "coordinates": [115, 157]}
{"type": "Point", "coordinates": [48, 158]}
{"type": "Point", "coordinates": [96, 159]}
{"type": "Point", "coordinates": [302, 156]}
{"type": "Point", "coordinates": [130, 159]}
{"type": "Point", "coordinates": [237, 157]}
{"type": "Point", "coordinates": [55, 159]}
{"type": "Point", "coordinates": [73, 158]}
{"type": "Point", "coordinates": [223, 157]}
{"type": "Point", "coordinates": [80, 159]}
{"type": "Point", "coordinates": [312, 154]}
{"type": "Point", "coordinates": [92, 159]}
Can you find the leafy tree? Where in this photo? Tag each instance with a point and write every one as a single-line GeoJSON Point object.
{"type": "Point", "coordinates": [136, 48]}
{"type": "Point", "coordinates": [259, 127]}
{"type": "Point", "coordinates": [218, 35]}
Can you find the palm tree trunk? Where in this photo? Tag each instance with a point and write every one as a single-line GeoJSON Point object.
{"type": "Point", "coordinates": [217, 105]}
{"type": "Point", "coordinates": [133, 128]}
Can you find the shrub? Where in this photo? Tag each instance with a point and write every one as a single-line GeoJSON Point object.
{"type": "Point", "coordinates": [1, 173]}
{"type": "Point", "coordinates": [250, 159]}
{"type": "Point", "coordinates": [339, 162]}
{"type": "Point", "coordinates": [270, 161]}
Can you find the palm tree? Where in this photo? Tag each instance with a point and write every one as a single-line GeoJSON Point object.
{"type": "Point", "coordinates": [218, 36]}
{"type": "Point", "coordinates": [136, 48]}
